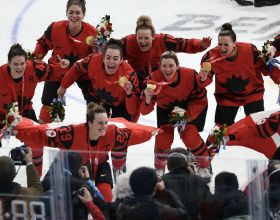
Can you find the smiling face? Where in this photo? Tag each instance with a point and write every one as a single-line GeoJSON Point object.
{"type": "Point", "coordinates": [112, 60]}
{"type": "Point", "coordinates": [75, 16]}
{"type": "Point", "coordinates": [144, 39]}
{"type": "Point", "coordinates": [99, 125]}
{"type": "Point", "coordinates": [226, 46]}
{"type": "Point", "coordinates": [168, 67]}
{"type": "Point", "coordinates": [17, 66]}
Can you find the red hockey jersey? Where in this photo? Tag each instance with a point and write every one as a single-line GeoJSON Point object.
{"type": "Point", "coordinates": [146, 62]}
{"type": "Point", "coordinates": [23, 91]}
{"type": "Point", "coordinates": [57, 39]}
{"type": "Point", "coordinates": [238, 81]}
{"type": "Point", "coordinates": [103, 87]}
{"type": "Point", "coordinates": [120, 135]}
{"type": "Point", "coordinates": [183, 92]}
{"type": "Point", "coordinates": [259, 131]}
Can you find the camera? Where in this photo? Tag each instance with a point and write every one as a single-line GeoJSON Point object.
{"type": "Point", "coordinates": [17, 156]}
{"type": "Point", "coordinates": [79, 192]}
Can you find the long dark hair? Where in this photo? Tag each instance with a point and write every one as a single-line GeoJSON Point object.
{"type": "Point", "coordinates": [16, 50]}
{"type": "Point", "coordinates": [226, 30]}
{"type": "Point", "coordinates": [113, 43]}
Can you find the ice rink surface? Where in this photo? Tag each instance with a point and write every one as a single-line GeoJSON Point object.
{"type": "Point", "coordinates": [24, 21]}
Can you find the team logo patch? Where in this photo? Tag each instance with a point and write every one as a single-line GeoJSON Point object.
{"type": "Point", "coordinates": [261, 121]}
{"type": "Point", "coordinates": [50, 133]}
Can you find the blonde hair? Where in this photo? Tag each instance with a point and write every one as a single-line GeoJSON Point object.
{"type": "Point", "coordinates": [145, 22]}
{"type": "Point", "coordinates": [93, 108]}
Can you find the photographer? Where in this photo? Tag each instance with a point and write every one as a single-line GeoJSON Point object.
{"type": "Point", "coordinates": [76, 176]}
{"type": "Point", "coordinates": [8, 173]}
{"type": "Point", "coordinates": [86, 198]}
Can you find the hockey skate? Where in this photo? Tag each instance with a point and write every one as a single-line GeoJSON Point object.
{"type": "Point", "coordinates": [117, 173]}
{"type": "Point", "coordinates": [159, 173]}
{"type": "Point", "coordinates": [205, 173]}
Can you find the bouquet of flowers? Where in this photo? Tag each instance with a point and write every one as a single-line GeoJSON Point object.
{"type": "Point", "coordinates": [57, 110]}
{"type": "Point", "coordinates": [217, 133]}
{"type": "Point", "coordinates": [12, 119]}
{"type": "Point", "coordinates": [267, 54]}
{"type": "Point", "coordinates": [32, 56]}
{"type": "Point", "coordinates": [178, 118]}
{"type": "Point", "coordinates": [104, 30]}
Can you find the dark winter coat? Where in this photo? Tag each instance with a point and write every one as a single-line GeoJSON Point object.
{"type": "Point", "coordinates": [190, 189]}
{"type": "Point", "coordinates": [225, 204]}
{"type": "Point", "coordinates": [148, 208]}
{"type": "Point", "coordinates": [18, 192]}
{"type": "Point", "coordinates": [273, 195]}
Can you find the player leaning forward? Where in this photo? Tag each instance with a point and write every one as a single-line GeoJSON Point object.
{"type": "Point", "coordinates": [94, 136]}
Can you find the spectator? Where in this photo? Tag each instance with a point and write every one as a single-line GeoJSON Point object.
{"type": "Point", "coordinates": [86, 198]}
{"type": "Point", "coordinates": [7, 175]}
{"type": "Point", "coordinates": [181, 179]}
{"type": "Point", "coordinates": [75, 176]}
{"type": "Point", "coordinates": [121, 191]}
{"type": "Point", "coordinates": [273, 192]}
{"type": "Point", "coordinates": [228, 201]}
{"type": "Point", "coordinates": [143, 205]}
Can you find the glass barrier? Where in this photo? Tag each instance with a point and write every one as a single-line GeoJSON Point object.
{"type": "Point", "coordinates": [63, 174]}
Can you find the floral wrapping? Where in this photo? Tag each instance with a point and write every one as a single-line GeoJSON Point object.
{"type": "Point", "coordinates": [12, 119]}
{"type": "Point", "coordinates": [179, 118]}
{"type": "Point", "coordinates": [104, 30]}
{"type": "Point", "coordinates": [57, 110]}
{"type": "Point", "coordinates": [217, 133]}
{"type": "Point", "coordinates": [267, 54]}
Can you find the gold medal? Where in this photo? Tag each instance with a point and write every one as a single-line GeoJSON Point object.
{"type": "Point", "coordinates": [123, 80]}
{"type": "Point", "coordinates": [151, 86]}
{"type": "Point", "coordinates": [89, 40]}
{"type": "Point", "coordinates": [206, 66]}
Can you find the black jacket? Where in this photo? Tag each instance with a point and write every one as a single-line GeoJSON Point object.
{"type": "Point", "coordinates": [225, 204]}
{"type": "Point", "coordinates": [148, 208]}
{"type": "Point", "coordinates": [273, 194]}
{"type": "Point", "coordinates": [192, 190]}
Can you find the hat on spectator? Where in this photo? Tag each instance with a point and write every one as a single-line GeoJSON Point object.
{"type": "Point", "coordinates": [143, 181]}
{"type": "Point", "coordinates": [226, 181]}
{"type": "Point", "coordinates": [7, 170]}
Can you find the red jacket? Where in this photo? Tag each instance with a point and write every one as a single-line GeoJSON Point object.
{"type": "Point", "coordinates": [76, 137]}
{"type": "Point", "coordinates": [23, 91]}
{"type": "Point", "coordinates": [103, 87]}
{"type": "Point", "coordinates": [146, 62]}
{"type": "Point", "coordinates": [238, 81]}
{"type": "Point", "coordinates": [183, 93]}
{"type": "Point", "coordinates": [57, 39]}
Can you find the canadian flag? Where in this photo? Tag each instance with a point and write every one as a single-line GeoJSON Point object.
{"type": "Point", "coordinates": [28, 124]}
{"type": "Point", "coordinates": [123, 123]}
